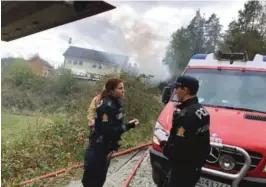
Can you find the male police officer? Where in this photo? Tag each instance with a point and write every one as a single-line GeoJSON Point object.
{"type": "Point", "coordinates": [189, 144]}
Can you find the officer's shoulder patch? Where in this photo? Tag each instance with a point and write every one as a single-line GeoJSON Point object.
{"type": "Point", "coordinates": [180, 131]}
{"type": "Point", "coordinates": [104, 118]}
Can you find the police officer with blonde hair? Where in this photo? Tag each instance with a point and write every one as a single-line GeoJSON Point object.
{"type": "Point", "coordinates": [92, 109]}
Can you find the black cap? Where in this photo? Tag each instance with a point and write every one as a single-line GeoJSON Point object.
{"type": "Point", "coordinates": [188, 81]}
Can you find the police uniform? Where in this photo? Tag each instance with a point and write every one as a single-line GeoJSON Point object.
{"type": "Point", "coordinates": [108, 130]}
{"type": "Point", "coordinates": [189, 142]}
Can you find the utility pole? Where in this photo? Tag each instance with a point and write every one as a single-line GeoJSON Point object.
{"type": "Point", "coordinates": [70, 41]}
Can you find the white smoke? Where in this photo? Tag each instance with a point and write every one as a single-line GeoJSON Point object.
{"type": "Point", "coordinates": [143, 44]}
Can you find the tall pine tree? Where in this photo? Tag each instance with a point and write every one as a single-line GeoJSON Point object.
{"type": "Point", "coordinates": [200, 36]}
{"type": "Point", "coordinates": [247, 33]}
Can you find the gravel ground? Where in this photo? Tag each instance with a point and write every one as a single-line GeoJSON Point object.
{"type": "Point", "coordinates": [143, 176]}
{"type": "Point", "coordinates": [118, 171]}
{"type": "Point", "coordinates": [120, 168]}
{"type": "Point", "coordinates": [117, 175]}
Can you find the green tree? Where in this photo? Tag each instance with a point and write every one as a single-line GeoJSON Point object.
{"type": "Point", "coordinates": [19, 66]}
{"type": "Point", "coordinates": [200, 36]}
{"type": "Point", "coordinates": [213, 33]}
{"type": "Point", "coordinates": [262, 26]}
{"type": "Point", "coordinates": [19, 69]}
{"type": "Point", "coordinates": [196, 33]}
{"type": "Point", "coordinates": [247, 33]}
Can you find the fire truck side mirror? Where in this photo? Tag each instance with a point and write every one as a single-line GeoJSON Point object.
{"type": "Point", "coordinates": [166, 94]}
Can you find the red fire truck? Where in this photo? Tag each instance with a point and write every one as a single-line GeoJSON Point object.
{"type": "Point", "coordinates": [233, 90]}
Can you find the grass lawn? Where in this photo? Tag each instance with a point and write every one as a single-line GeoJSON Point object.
{"type": "Point", "coordinates": [12, 125]}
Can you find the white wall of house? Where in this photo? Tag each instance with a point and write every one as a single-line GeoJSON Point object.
{"type": "Point", "coordinates": [90, 66]}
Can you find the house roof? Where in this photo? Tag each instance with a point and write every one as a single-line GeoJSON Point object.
{"type": "Point", "coordinates": [44, 62]}
{"type": "Point", "coordinates": [100, 56]}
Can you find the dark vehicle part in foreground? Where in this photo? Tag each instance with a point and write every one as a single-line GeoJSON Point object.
{"type": "Point", "coordinates": [23, 18]}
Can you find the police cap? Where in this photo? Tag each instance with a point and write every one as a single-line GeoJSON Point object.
{"type": "Point", "coordinates": [189, 82]}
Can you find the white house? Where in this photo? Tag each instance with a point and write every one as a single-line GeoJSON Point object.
{"type": "Point", "coordinates": [92, 64]}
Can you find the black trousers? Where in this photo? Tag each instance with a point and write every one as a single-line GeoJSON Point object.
{"type": "Point", "coordinates": [186, 177]}
{"type": "Point", "coordinates": [96, 163]}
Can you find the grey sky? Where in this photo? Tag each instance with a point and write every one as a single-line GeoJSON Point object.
{"type": "Point", "coordinates": [139, 29]}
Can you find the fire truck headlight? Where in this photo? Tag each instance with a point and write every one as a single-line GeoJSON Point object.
{"type": "Point", "coordinates": [264, 169]}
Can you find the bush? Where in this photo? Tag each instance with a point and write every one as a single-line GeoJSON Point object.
{"type": "Point", "coordinates": [48, 95]}
{"type": "Point", "coordinates": [49, 148]}
{"type": "Point", "coordinates": [63, 142]}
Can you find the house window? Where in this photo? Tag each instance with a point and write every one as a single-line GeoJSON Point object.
{"type": "Point", "coordinates": [94, 66]}
{"type": "Point", "coordinates": [100, 67]}
{"type": "Point", "coordinates": [75, 62]}
{"type": "Point", "coordinates": [69, 61]}
{"type": "Point", "coordinates": [80, 63]}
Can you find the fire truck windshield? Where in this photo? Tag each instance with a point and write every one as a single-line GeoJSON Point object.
{"type": "Point", "coordinates": [233, 89]}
